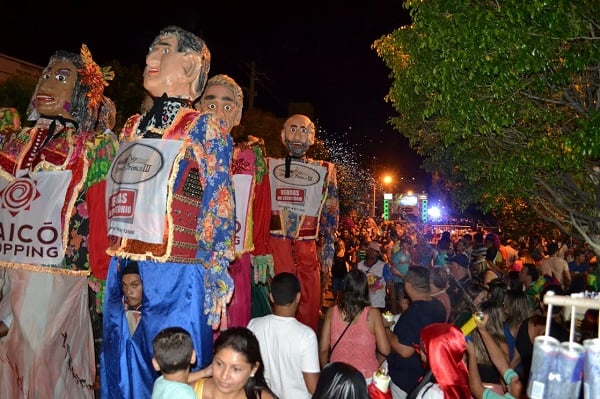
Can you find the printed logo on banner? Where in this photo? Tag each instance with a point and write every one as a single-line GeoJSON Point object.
{"type": "Point", "coordinates": [294, 195]}
{"type": "Point", "coordinates": [137, 164]}
{"type": "Point", "coordinates": [19, 194]}
{"type": "Point", "coordinates": [122, 205]}
{"type": "Point", "coordinates": [300, 175]}
{"type": "Point", "coordinates": [30, 217]}
{"type": "Point", "coordinates": [137, 189]}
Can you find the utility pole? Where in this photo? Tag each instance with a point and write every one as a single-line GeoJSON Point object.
{"type": "Point", "coordinates": [374, 184]}
{"type": "Point", "coordinates": [252, 91]}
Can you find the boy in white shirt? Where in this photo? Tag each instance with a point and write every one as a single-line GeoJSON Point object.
{"type": "Point", "coordinates": [289, 348]}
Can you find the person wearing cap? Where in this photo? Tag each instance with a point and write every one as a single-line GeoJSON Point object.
{"type": "Point", "coordinates": [460, 278]}
{"type": "Point", "coordinates": [480, 269]}
{"type": "Point", "coordinates": [496, 256]}
{"type": "Point", "coordinates": [379, 276]}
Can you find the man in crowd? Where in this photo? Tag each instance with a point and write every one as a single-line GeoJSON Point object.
{"type": "Point", "coordinates": [289, 348]}
{"type": "Point", "coordinates": [379, 276]}
{"type": "Point", "coordinates": [556, 266]}
{"type": "Point", "coordinates": [404, 364]}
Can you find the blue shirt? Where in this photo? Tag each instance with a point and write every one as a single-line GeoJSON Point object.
{"type": "Point", "coordinates": [166, 389]}
{"type": "Point", "coordinates": [405, 372]}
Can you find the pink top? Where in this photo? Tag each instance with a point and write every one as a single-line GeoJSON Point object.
{"type": "Point", "coordinates": [358, 345]}
{"type": "Point", "coordinates": [443, 297]}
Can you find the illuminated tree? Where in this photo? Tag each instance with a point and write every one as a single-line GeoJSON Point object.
{"type": "Point", "coordinates": [501, 98]}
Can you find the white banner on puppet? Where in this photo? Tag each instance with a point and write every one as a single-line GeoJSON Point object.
{"type": "Point", "coordinates": [30, 217]}
{"type": "Point", "coordinates": [302, 192]}
{"type": "Point", "coordinates": [242, 189]}
{"type": "Point", "coordinates": [137, 187]}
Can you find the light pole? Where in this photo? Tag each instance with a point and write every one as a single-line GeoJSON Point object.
{"type": "Point", "coordinates": [373, 209]}
{"type": "Point", "coordinates": [374, 183]}
{"type": "Point", "coordinates": [387, 179]}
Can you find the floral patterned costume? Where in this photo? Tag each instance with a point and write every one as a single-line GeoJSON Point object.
{"type": "Point", "coordinates": [183, 268]}
{"type": "Point", "coordinates": [50, 342]}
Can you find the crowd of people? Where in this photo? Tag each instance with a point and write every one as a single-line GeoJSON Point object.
{"type": "Point", "coordinates": [177, 236]}
{"type": "Point", "coordinates": [447, 277]}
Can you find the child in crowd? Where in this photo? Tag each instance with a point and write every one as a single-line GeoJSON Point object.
{"type": "Point", "coordinates": [173, 355]}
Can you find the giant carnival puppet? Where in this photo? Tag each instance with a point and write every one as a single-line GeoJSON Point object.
{"type": "Point", "coordinates": [304, 204]}
{"type": "Point", "coordinates": [224, 97]}
{"type": "Point", "coordinates": [171, 213]}
{"type": "Point", "coordinates": [54, 230]}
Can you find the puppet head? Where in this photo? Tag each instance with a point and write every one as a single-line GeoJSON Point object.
{"type": "Point", "coordinates": [298, 134]}
{"type": "Point", "coordinates": [72, 86]}
{"type": "Point", "coordinates": [177, 64]}
{"type": "Point", "coordinates": [224, 97]}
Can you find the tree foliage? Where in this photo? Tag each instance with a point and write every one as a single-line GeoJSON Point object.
{"type": "Point", "coordinates": [501, 99]}
{"type": "Point", "coordinates": [16, 92]}
{"type": "Point", "coordinates": [126, 90]}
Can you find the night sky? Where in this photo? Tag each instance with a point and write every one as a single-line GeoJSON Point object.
{"type": "Point", "coordinates": [309, 51]}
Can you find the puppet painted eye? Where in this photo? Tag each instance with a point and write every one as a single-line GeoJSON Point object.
{"type": "Point", "coordinates": [228, 108]}
{"type": "Point", "coordinates": [211, 106]}
{"type": "Point", "coordinates": [61, 77]}
{"type": "Point", "coordinates": [166, 50]}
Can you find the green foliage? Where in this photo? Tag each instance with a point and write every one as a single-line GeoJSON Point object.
{"type": "Point", "coordinates": [126, 90]}
{"type": "Point", "coordinates": [501, 98]}
{"type": "Point", "coordinates": [16, 92]}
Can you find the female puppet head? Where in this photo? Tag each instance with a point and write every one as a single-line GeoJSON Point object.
{"type": "Point", "coordinates": [72, 86]}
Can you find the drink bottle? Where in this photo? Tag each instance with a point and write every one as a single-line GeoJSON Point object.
{"type": "Point", "coordinates": [470, 324]}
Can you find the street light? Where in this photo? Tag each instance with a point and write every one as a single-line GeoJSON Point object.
{"type": "Point", "coordinates": [387, 179]}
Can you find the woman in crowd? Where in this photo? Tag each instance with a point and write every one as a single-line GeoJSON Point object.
{"type": "Point", "coordinates": [340, 380]}
{"type": "Point", "coordinates": [515, 387]}
{"type": "Point", "coordinates": [339, 269]}
{"type": "Point", "coordinates": [495, 327]}
{"type": "Point", "coordinates": [401, 260]}
{"type": "Point", "coordinates": [439, 283]}
{"type": "Point", "coordinates": [237, 368]}
{"type": "Point", "coordinates": [353, 330]}
{"type": "Point", "coordinates": [517, 308]}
